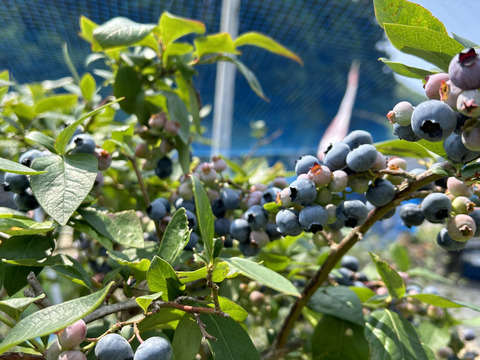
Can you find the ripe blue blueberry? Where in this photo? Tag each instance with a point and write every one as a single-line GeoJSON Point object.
{"type": "Point", "coordinates": [469, 334]}
{"type": "Point", "coordinates": [350, 262]}
{"type": "Point", "coordinates": [405, 133]}
{"type": "Point", "coordinates": [303, 191]}
{"type": "Point", "coordinates": [154, 348]}
{"type": "Point", "coordinates": [456, 150]}
{"type": "Point", "coordinates": [445, 241]}
{"type": "Point", "coordinates": [26, 201]}
{"type": "Point", "coordinates": [27, 157]}
{"type": "Point", "coordinates": [164, 167]}
{"type": "Point", "coordinates": [288, 222]}
{"type": "Point", "coordinates": [273, 232]}
{"type": "Point", "coordinates": [313, 218]}
{"type": "Point", "coordinates": [230, 198]}
{"type": "Point", "coordinates": [357, 138]}
{"type": "Point", "coordinates": [436, 207]}
{"type": "Point", "coordinates": [187, 204]}
{"type": "Point", "coordinates": [84, 143]}
{"type": "Point", "coordinates": [222, 226]}
{"type": "Point", "coordinates": [191, 219]}
{"type": "Point", "coordinates": [192, 241]}
{"type": "Point", "coordinates": [387, 215]}
{"type": "Point", "coordinates": [248, 250]}
{"type": "Point", "coordinates": [270, 195]}
{"type": "Point", "coordinates": [344, 276]}
{"type": "Point", "coordinates": [464, 70]}
{"type": "Point", "coordinates": [113, 347]}
{"type": "Point", "coordinates": [352, 212]}
{"type": "Point", "coordinates": [157, 210]}
{"type": "Point", "coordinates": [380, 192]}
{"type": "Point", "coordinates": [433, 120]}
{"type": "Point", "coordinates": [16, 183]}
{"type": "Point", "coordinates": [304, 163]}
{"type": "Point", "coordinates": [240, 230]}
{"type": "Point", "coordinates": [218, 208]}
{"type": "Point", "coordinates": [475, 215]}
{"type": "Point", "coordinates": [256, 217]}
{"type": "Point", "coordinates": [411, 215]}
{"type": "Point", "coordinates": [362, 158]}
{"type": "Point", "coordinates": [336, 156]}
{"type": "Point", "coordinates": [430, 289]}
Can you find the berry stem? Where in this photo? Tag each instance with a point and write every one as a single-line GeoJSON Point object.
{"type": "Point", "coordinates": [337, 252]}
{"type": "Point", "coordinates": [6, 321]}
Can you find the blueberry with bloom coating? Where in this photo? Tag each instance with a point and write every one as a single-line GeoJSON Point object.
{"type": "Point", "coordinates": [192, 241]}
{"type": "Point", "coordinates": [411, 215]}
{"type": "Point", "coordinates": [270, 195]}
{"type": "Point", "coordinates": [445, 241]}
{"type": "Point", "coordinates": [456, 151]}
{"type": "Point", "coordinates": [304, 163]}
{"type": "Point", "coordinates": [84, 143]}
{"type": "Point", "coordinates": [222, 226]}
{"type": "Point", "coordinates": [157, 210]}
{"type": "Point", "coordinates": [336, 156]}
{"type": "Point", "coordinates": [436, 207]}
{"type": "Point", "coordinates": [248, 249]}
{"type": "Point", "coordinates": [191, 219]}
{"type": "Point", "coordinates": [256, 217]}
{"type": "Point", "coordinates": [240, 230]}
{"type": "Point", "coordinates": [313, 218]}
{"type": "Point", "coordinates": [362, 158]}
{"type": "Point", "coordinates": [16, 183]}
{"type": "Point", "coordinates": [154, 348]}
{"type": "Point", "coordinates": [475, 215]}
{"type": "Point", "coordinates": [72, 335]}
{"type": "Point", "coordinates": [164, 167]}
{"type": "Point", "coordinates": [27, 157]}
{"type": "Point", "coordinates": [288, 222]}
{"type": "Point", "coordinates": [469, 334]}
{"type": "Point", "coordinates": [405, 133]}
{"type": "Point", "coordinates": [352, 212]}
{"type": "Point", "coordinates": [230, 198]}
{"type": "Point", "coordinates": [113, 347]}
{"type": "Point", "coordinates": [380, 192]}
{"type": "Point", "coordinates": [187, 204]}
{"type": "Point", "coordinates": [357, 138]}
{"type": "Point", "coordinates": [464, 70]}
{"type": "Point", "coordinates": [303, 191]}
{"type": "Point", "coordinates": [26, 201]}
{"type": "Point", "coordinates": [350, 262]}
{"type": "Point", "coordinates": [433, 120]}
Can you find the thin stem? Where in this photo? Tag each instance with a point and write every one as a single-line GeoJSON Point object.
{"type": "Point", "coordinates": [336, 253]}
{"type": "Point", "coordinates": [214, 288]}
{"type": "Point", "coordinates": [7, 321]}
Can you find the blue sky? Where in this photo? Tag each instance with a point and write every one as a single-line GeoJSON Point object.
{"type": "Point", "coordinates": [459, 17]}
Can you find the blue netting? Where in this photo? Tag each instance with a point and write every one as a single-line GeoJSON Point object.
{"type": "Point", "coordinates": [326, 34]}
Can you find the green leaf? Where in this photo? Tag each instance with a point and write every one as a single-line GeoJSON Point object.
{"type": "Point", "coordinates": [406, 13]}
{"type": "Point", "coordinates": [66, 134]}
{"type": "Point", "coordinates": [174, 27]}
{"type": "Point", "coordinates": [17, 168]}
{"type": "Point", "coordinates": [214, 44]}
{"type": "Point", "coordinates": [145, 300]}
{"type": "Point", "coordinates": [263, 275]}
{"type": "Point", "coordinates": [119, 32]}
{"type": "Point", "coordinates": [430, 45]}
{"type": "Point", "coordinates": [428, 274]}
{"type": "Point", "coordinates": [175, 238]}
{"type": "Point", "coordinates": [5, 83]}
{"type": "Point", "coordinates": [67, 182]}
{"type": "Point", "coordinates": [400, 256]}
{"type": "Point", "coordinates": [74, 272]}
{"type": "Point", "coordinates": [84, 227]}
{"type": "Point", "coordinates": [52, 319]}
{"type": "Point", "coordinates": [434, 147]}
{"type": "Point", "coordinates": [470, 172]}
{"type": "Point", "coordinates": [166, 318]}
{"type": "Point", "coordinates": [123, 227]}
{"type": "Point", "coordinates": [434, 335]}
{"type": "Point", "coordinates": [128, 85]}
{"type": "Point", "coordinates": [177, 111]}
{"type": "Point", "coordinates": [338, 301]}
{"type": "Point", "coordinates": [335, 339]}
{"type": "Point", "coordinates": [405, 70]}
{"type": "Point", "coordinates": [274, 261]}
{"type": "Point", "coordinates": [393, 281]}
{"type": "Point", "coordinates": [14, 307]}
{"type": "Point", "coordinates": [187, 338]}
{"type": "Point", "coordinates": [56, 102]}
{"type": "Point", "coordinates": [184, 153]}
{"type": "Point", "coordinates": [88, 86]}
{"type": "Point", "coordinates": [248, 74]}
{"type": "Point", "coordinates": [42, 139]}
{"type": "Point", "coordinates": [402, 148]}
{"type": "Point", "coordinates": [235, 311]}
{"type": "Point", "coordinates": [440, 301]}
{"type": "Point", "coordinates": [392, 337]}
{"type": "Point", "coordinates": [176, 49]}
{"type": "Point", "coordinates": [15, 226]}
{"type": "Point", "coordinates": [465, 42]}
{"type": "Point", "coordinates": [363, 293]}
{"type": "Point", "coordinates": [221, 271]}
{"type": "Point", "coordinates": [139, 267]}
{"type": "Point", "coordinates": [267, 43]}
{"type": "Point", "coordinates": [161, 277]}
{"type": "Point", "coordinates": [233, 342]}
{"type": "Point", "coordinates": [87, 26]}
{"type": "Point", "coordinates": [204, 216]}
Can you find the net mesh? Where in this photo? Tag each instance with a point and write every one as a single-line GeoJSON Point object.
{"type": "Point", "coordinates": [327, 35]}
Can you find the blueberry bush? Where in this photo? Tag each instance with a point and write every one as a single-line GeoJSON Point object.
{"type": "Point", "coordinates": [120, 243]}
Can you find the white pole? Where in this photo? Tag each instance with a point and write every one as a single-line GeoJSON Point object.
{"type": "Point", "coordinates": [225, 85]}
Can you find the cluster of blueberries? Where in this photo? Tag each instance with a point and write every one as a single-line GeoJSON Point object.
{"type": "Point", "coordinates": [19, 184]}
{"type": "Point", "coordinates": [110, 347]}
{"type": "Point", "coordinates": [450, 114]}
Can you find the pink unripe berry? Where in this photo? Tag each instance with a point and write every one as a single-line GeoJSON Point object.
{"type": "Point", "coordinates": [461, 227]}
{"type": "Point", "coordinates": [208, 174]}
{"type": "Point", "coordinates": [157, 121]}
{"type": "Point", "coordinates": [319, 174]}
{"type": "Point", "coordinates": [104, 158]}
{"type": "Point", "coordinates": [256, 297]}
{"type": "Point", "coordinates": [280, 182]}
{"type": "Point", "coordinates": [185, 190]}
{"type": "Point", "coordinates": [72, 335]}
{"type": "Point", "coordinates": [380, 162]}
{"type": "Point", "coordinates": [72, 355]}
{"type": "Point", "coordinates": [259, 238]}
{"type": "Point", "coordinates": [172, 128]}
{"type": "Point", "coordinates": [284, 197]}
{"type": "Point", "coordinates": [449, 93]}
{"type": "Point", "coordinates": [339, 181]}
{"type": "Point", "coordinates": [219, 164]}
{"type": "Point", "coordinates": [166, 146]}
{"type": "Point", "coordinates": [468, 103]}
{"type": "Point", "coordinates": [254, 198]}
{"type": "Point", "coordinates": [141, 150]}
{"type": "Point", "coordinates": [459, 188]}
{"type": "Point", "coordinates": [432, 85]}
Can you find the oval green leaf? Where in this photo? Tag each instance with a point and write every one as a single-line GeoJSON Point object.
{"type": "Point", "coordinates": [263, 275]}
{"type": "Point", "coordinates": [174, 27]}
{"type": "Point", "coordinates": [392, 279]}
{"type": "Point", "coordinates": [204, 216]}
{"type": "Point", "coordinates": [405, 70]}
{"type": "Point", "coordinates": [175, 238]}
{"type": "Point", "coordinates": [53, 318]}
{"type": "Point", "coordinates": [187, 338]}
{"type": "Point", "coordinates": [17, 168]}
{"type": "Point", "coordinates": [214, 44]}
{"type": "Point", "coordinates": [119, 32]}
{"type": "Point", "coordinates": [161, 277]}
{"type": "Point", "coordinates": [15, 226]}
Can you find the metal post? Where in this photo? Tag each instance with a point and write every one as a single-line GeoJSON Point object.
{"type": "Point", "coordinates": [225, 85]}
